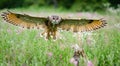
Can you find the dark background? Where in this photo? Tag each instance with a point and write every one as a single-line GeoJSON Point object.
{"type": "Point", "coordinates": [77, 5]}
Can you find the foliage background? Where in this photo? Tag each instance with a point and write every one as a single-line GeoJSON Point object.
{"type": "Point", "coordinates": [77, 5]}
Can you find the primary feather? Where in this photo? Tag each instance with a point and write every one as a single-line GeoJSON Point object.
{"type": "Point", "coordinates": [81, 25]}
{"type": "Point", "coordinates": [24, 20]}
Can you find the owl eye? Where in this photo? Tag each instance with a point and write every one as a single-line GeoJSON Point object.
{"type": "Point", "coordinates": [53, 18]}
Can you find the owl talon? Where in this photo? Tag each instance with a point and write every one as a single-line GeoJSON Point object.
{"type": "Point", "coordinates": [46, 39]}
{"type": "Point", "coordinates": [41, 35]}
{"type": "Point", "coordinates": [54, 39]}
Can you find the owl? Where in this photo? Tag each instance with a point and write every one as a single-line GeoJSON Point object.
{"type": "Point", "coordinates": [52, 23]}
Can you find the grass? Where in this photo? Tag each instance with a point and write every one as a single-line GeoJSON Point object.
{"type": "Point", "coordinates": [22, 47]}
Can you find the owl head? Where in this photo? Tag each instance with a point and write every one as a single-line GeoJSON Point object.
{"type": "Point", "coordinates": [54, 19]}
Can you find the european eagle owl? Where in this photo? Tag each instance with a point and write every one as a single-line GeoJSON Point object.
{"type": "Point", "coordinates": [52, 23]}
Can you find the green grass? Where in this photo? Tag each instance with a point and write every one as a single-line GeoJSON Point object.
{"type": "Point", "coordinates": [22, 47]}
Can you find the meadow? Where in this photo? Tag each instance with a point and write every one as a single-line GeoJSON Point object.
{"type": "Point", "coordinates": [24, 47]}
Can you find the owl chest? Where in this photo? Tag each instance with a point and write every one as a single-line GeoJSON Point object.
{"type": "Point", "coordinates": [52, 27]}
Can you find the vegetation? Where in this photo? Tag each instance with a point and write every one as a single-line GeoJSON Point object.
{"type": "Point", "coordinates": [77, 5]}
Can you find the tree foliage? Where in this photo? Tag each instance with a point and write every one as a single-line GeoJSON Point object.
{"type": "Point", "coordinates": [78, 5]}
{"type": "Point", "coordinates": [114, 3]}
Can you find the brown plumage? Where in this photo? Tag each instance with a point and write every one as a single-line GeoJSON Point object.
{"type": "Point", "coordinates": [51, 23]}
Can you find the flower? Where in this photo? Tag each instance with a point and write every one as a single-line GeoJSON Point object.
{"type": "Point", "coordinates": [50, 54]}
{"type": "Point", "coordinates": [89, 63]}
{"type": "Point", "coordinates": [73, 61]}
{"type": "Point", "coordinates": [9, 30]}
{"type": "Point", "coordinates": [18, 31]}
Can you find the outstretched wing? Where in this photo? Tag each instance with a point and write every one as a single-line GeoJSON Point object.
{"type": "Point", "coordinates": [81, 25]}
{"type": "Point", "coordinates": [24, 20]}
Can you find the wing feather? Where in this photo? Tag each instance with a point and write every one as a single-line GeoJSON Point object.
{"type": "Point", "coordinates": [24, 20]}
{"type": "Point", "coordinates": [81, 25]}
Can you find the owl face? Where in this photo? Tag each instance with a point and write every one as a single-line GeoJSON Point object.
{"type": "Point", "coordinates": [54, 19]}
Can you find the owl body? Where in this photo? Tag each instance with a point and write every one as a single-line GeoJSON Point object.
{"type": "Point", "coordinates": [51, 26]}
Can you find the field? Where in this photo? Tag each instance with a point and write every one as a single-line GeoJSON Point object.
{"type": "Point", "coordinates": [23, 47]}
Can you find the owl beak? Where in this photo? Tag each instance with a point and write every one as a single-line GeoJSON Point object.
{"type": "Point", "coordinates": [54, 22]}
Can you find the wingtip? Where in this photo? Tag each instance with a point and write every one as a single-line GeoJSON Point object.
{"type": "Point", "coordinates": [102, 25]}
{"type": "Point", "coordinates": [4, 16]}
{"type": "Point", "coordinates": [5, 13]}
{"type": "Point", "coordinates": [103, 22]}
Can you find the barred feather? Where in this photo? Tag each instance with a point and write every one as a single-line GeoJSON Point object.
{"type": "Point", "coordinates": [81, 25]}
{"type": "Point", "coordinates": [24, 20]}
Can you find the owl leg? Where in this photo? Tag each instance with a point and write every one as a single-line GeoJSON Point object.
{"type": "Point", "coordinates": [54, 34]}
{"type": "Point", "coordinates": [43, 33]}
{"type": "Point", "coordinates": [48, 34]}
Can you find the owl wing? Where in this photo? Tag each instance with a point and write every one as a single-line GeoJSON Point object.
{"type": "Point", "coordinates": [24, 20]}
{"type": "Point", "coordinates": [81, 25]}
